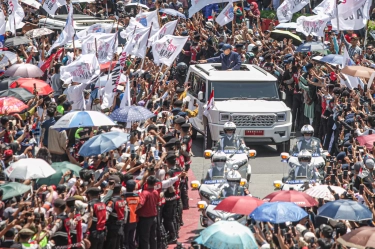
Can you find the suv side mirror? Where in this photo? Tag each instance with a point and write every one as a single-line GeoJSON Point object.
{"type": "Point", "coordinates": [200, 95]}
{"type": "Point", "coordinates": [283, 95]}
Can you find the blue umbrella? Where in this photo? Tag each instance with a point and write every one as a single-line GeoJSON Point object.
{"type": "Point", "coordinates": [227, 234]}
{"type": "Point", "coordinates": [335, 59]}
{"type": "Point", "coordinates": [312, 46]}
{"type": "Point", "coordinates": [278, 212]}
{"type": "Point", "coordinates": [345, 210]}
{"type": "Point", "coordinates": [173, 12]}
{"type": "Point", "coordinates": [103, 143]}
{"type": "Point", "coordinates": [131, 114]}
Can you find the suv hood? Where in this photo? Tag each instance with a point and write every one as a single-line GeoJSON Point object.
{"type": "Point", "coordinates": [252, 106]}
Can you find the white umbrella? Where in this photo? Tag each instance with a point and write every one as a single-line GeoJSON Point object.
{"type": "Point", "coordinates": [29, 168]}
{"type": "Point", "coordinates": [38, 32]}
{"type": "Point", "coordinates": [322, 191]}
{"type": "Point", "coordinates": [5, 57]}
{"type": "Point", "coordinates": [83, 119]}
{"type": "Point", "coordinates": [25, 70]}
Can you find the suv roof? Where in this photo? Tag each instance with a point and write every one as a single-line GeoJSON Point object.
{"type": "Point", "coordinates": [247, 72]}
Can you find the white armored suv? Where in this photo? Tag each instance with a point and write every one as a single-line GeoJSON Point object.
{"type": "Point", "coordinates": [248, 97]}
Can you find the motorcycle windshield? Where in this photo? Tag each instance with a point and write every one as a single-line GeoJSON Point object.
{"type": "Point", "coordinates": [312, 145]}
{"type": "Point", "coordinates": [304, 172]}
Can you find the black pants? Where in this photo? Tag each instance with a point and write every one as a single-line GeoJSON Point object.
{"type": "Point", "coordinates": [129, 235]}
{"type": "Point", "coordinates": [297, 112]}
{"type": "Point", "coordinates": [146, 231]}
{"type": "Point", "coordinates": [184, 193]}
{"type": "Point", "coordinates": [97, 239]}
{"type": "Point", "coordinates": [169, 213]}
{"type": "Point", "coordinates": [115, 237]}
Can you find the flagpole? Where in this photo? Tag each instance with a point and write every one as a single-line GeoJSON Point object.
{"type": "Point", "coordinates": [337, 16]}
{"type": "Point", "coordinates": [74, 47]}
{"type": "Point", "coordinates": [366, 34]}
{"type": "Point", "coordinates": [96, 49]}
{"type": "Point", "coordinates": [14, 25]}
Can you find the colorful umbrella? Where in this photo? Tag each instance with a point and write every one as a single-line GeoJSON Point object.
{"type": "Point", "coordinates": [38, 32]}
{"type": "Point", "coordinates": [361, 238]}
{"type": "Point", "coordinates": [13, 189]}
{"type": "Point", "coordinates": [278, 212]}
{"type": "Point", "coordinates": [11, 105]}
{"type": "Point", "coordinates": [279, 35]}
{"type": "Point", "coordinates": [25, 70]}
{"type": "Point", "coordinates": [312, 46]}
{"type": "Point", "coordinates": [345, 210]}
{"type": "Point", "coordinates": [131, 114]}
{"type": "Point", "coordinates": [297, 197]}
{"type": "Point", "coordinates": [105, 66]}
{"type": "Point", "coordinates": [18, 93]}
{"type": "Point", "coordinates": [5, 83]}
{"type": "Point", "coordinates": [322, 191]}
{"type": "Point", "coordinates": [239, 204]}
{"type": "Point", "coordinates": [61, 168]}
{"type": "Point", "coordinates": [83, 119]}
{"type": "Point", "coordinates": [30, 84]}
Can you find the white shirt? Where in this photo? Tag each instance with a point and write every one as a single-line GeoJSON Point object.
{"type": "Point", "coordinates": [75, 96]}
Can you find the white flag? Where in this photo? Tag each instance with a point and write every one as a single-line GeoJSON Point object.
{"type": "Point", "coordinates": [210, 103]}
{"type": "Point", "coordinates": [50, 6]}
{"type": "Point", "coordinates": [16, 14]}
{"type": "Point", "coordinates": [95, 28]}
{"type": "Point", "coordinates": [351, 81]}
{"type": "Point", "coordinates": [126, 98]}
{"type": "Point", "coordinates": [82, 70]}
{"type": "Point", "coordinates": [136, 44]}
{"type": "Point", "coordinates": [349, 6]}
{"type": "Point", "coordinates": [133, 25]}
{"type": "Point", "coordinates": [312, 25]}
{"type": "Point", "coordinates": [106, 45]}
{"type": "Point", "coordinates": [2, 22]}
{"type": "Point", "coordinates": [327, 7]}
{"type": "Point", "coordinates": [357, 20]}
{"type": "Point", "coordinates": [226, 15]}
{"type": "Point", "coordinates": [167, 29]}
{"type": "Point", "coordinates": [68, 32]}
{"type": "Point", "coordinates": [108, 94]}
{"type": "Point", "coordinates": [288, 8]}
{"type": "Point", "coordinates": [148, 19]}
{"type": "Point", "coordinates": [167, 48]}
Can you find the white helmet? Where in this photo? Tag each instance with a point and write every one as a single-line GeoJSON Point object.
{"type": "Point", "coordinates": [307, 129]}
{"type": "Point", "coordinates": [219, 157]}
{"type": "Point", "coordinates": [229, 126]}
{"type": "Point", "coordinates": [304, 155]}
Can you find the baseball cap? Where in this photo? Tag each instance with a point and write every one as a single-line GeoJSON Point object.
{"type": "Point", "coordinates": [227, 46]}
{"type": "Point", "coordinates": [8, 153]}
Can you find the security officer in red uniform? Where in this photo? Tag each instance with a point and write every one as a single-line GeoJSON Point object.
{"type": "Point", "coordinates": [116, 208]}
{"type": "Point", "coordinates": [130, 226]}
{"type": "Point", "coordinates": [96, 218]}
{"type": "Point", "coordinates": [76, 229]}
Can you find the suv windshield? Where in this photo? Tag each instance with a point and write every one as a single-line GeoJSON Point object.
{"type": "Point", "coordinates": [252, 90]}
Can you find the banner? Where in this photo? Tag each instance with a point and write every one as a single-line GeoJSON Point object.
{"type": "Point", "coordinates": [82, 70]}
{"type": "Point", "coordinates": [136, 44]}
{"type": "Point", "coordinates": [50, 6]}
{"type": "Point", "coordinates": [226, 15]}
{"type": "Point", "coordinates": [106, 45]}
{"type": "Point", "coordinates": [68, 32]}
{"type": "Point", "coordinates": [167, 29]}
{"type": "Point", "coordinates": [15, 15]}
{"type": "Point", "coordinates": [197, 5]}
{"type": "Point", "coordinates": [95, 28]}
{"type": "Point", "coordinates": [312, 25]}
{"type": "Point", "coordinates": [148, 18]}
{"type": "Point", "coordinates": [168, 48]}
{"type": "Point", "coordinates": [288, 8]}
{"type": "Point", "coordinates": [349, 6]}
{"type": "Point", "coordinates": [327, 7]}
{"type": "Point", "coordinates": [357, 19]}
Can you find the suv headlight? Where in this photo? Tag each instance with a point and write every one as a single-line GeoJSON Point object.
{"type": "Point", "coordinates": [281, 117]}
{"type": "Point", "coordinates": [224, 116]}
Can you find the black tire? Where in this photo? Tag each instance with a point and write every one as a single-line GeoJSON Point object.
{"type": "Point", "coordinates": [283, 147]}
{"type": "Point", "coordinates": [248, 177]}
{"type": "Point", "coordinates": [194, 133]}
{"type": "Point", "coordinates": [208, 138]}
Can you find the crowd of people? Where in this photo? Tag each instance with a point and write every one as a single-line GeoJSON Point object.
{"type": "Point", "coordinates": [134, 196]}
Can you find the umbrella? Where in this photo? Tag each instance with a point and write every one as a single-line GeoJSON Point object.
{"type": "Point", "coordinates": [278, 212]}
{"type": "Point", "coordinates": [322, 191]}
{"type": "Point", "coordinates": [38, 32]}
{"type": "Point", "coordinates": [83, 119]}
{"type": "Point", "coordinates": [228, 234]}
{"type": "Point", "coordinates": [297, 197]}
{"type": "Point", "coordinates": [239, 204]}
{"type": "Point", "coordinates": [61, 168]}
{"type": "Point", "coordinates": [11, 105]}
{"type": "Point", "coordinates": [345, 210]}
{"type": "Point", "coordinates": [30, 84]}
{"type": "Point", "coordinates": [136, 5]}
{"type": "Point", "coordinates": [366, 140]}
{"type": "Point", "coordinates": [29, 168]}
{"type": "Point", "coordinates": [361, 238]}
{"type": "Point", "coordinates": [25, 70]}
{"type": "Point", "coordinates": [6, 56]}
{"type": "Point", "coordinates": [103, 143]}
{"type": "Point", "coordinates": [105, 66]}
{"type": "Point", "coordinates": [279, 35]}
{"type": "Point", "coordinates": [13, 189]}
{"type": "Point", "coordinates": [5, 83]}
{"type": "Point", "coordinates": [16, 41]}
{"type": "Point", "coordinates": [358, 71]}
{"type": "Point", "coordinates": [173, 12]}
{"type": "Point", "coordinates": [334, 59]}
{"type": "Point", "coordinates": [131, 114]}
{"type": "Point", "coordinates": [312, 46]}
{"type": "Point", "coordinates": [18, 93]}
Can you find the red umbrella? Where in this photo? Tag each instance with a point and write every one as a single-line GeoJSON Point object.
{"type": "Point", "coordinates": [11, 105]}
{"type": "Point", "coordinates": [105, 66]}
{"type": "Point", "coordinates": [367, 140]}
{"type": "Point", "coordinates": [299, 198]}
{"type": "Point", "coordinates": [30, 84]}
{"type": "Point", "coordinates": [239, 204]}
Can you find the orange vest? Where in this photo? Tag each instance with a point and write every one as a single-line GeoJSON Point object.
{"type": "Point", "coordinates": [132, 202]}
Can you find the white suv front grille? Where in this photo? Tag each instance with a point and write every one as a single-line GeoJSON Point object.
{"type": "Point", "coordinates": [254, 120]}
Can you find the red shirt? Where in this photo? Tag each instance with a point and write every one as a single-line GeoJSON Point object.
{"type": "Point", "coordinates": [148, 199]}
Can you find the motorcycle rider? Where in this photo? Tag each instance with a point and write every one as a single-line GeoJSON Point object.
{"type": "Point", "coordinates": [229, 138]}
{"type": "Point", "coordinates": [218, 162]}
{"type": "Point", "coordinates": [305, 168]}
{"type": "Point", "coordinates": [308, 142]}
{"type": "Point", "coordinates": [232, 188]}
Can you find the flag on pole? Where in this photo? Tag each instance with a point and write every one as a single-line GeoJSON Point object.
{"type": "Point", "coordinates": [2, 22]}
{"type": "Point", "coordinates": [286, 10]}
{"type": "Point", "coordinates": [355, 19]}
{"type": "Point", "coordinates": [210, 103]}
{"type": "Point", "coordinates": [168, 48]}
{"type": "Point", "coordinates": [226, 15]}
{"type": "Point", "coordinates": [327, 7]}
{"type": "Point", "coordinates": [167, 29]}
{"type": "Point", "coordinates": [126, 98]}
{"type": "Point", "coordinates": [50, 6]}
{"type": "Point", "coordinates": [16, 14]}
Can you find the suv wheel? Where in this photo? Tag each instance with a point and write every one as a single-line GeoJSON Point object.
{"type": "Point", "coordinates": [208, 138]}
{"type": "Point", "coordinates": [194, 133]}
{"type": "Point", "coordinates": [283, 147]}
